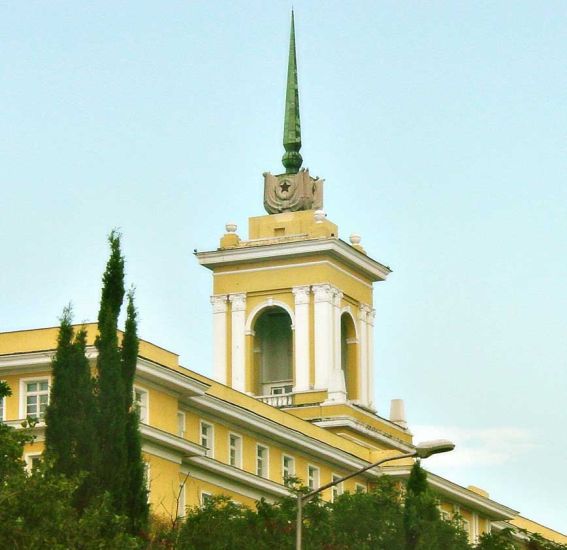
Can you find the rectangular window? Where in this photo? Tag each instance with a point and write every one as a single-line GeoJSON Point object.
{"type": "Point", "coordinates": [359, 488]}
{"type": "Point", "coordinates": [235, 450]}
{"type": "Point", "coordinates": [141, 403]}
{"type": "Point", "coordinates": [207, 438]}
{"type": "Point", "coordinates": [2, 408]}
{"type": "Point", "coordinates": [205, 497]}
{"type": "Point", "coordinates": [32, 461]}
{"type": "Point", "coordinates": [312, 477]}
{"type": "Point", "coordinates": [288, 467]}
{"type": "Point", "coordinates": [180, 424]}
{"type": "Point", "coordinates": [36, 398]}
{"type": "Point", "coordinates": [337, 490]}
{"type": "Point", "coordinates": [261, 461]}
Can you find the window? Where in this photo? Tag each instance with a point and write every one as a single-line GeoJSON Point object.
{"type": "Point", "coordinates": [235, 450]}
{"type": "Point", "coordinates": [359, 488]}
{"type": "Point", "coordinates": [205, 498]}
{"type": "Point", "coordinates": [445, 516]}
{"type": "Point", "coordinates": [180, 424]}
{"type": "Point", "coordinates": [261, 461]}
{"type": "Point", "coordinates": [207, 438]}
{"type": "Point", "coordinates": [337, 490]}
{"type": "Point", "coordinates": [32, 461]}
{"type": "Point", "coordinates": [148, 477]}
{"type": "Point", "coordinates": [141, 404]}
{"type": "Point", "coordinates": [288, 467]}
{"type": "Point", "coordinates": [36, 398]}
{"type": "Point", "coordinates": [312, 477]}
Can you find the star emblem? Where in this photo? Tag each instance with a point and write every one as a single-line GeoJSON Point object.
{"type": "Point", "coordinates": [284, 186]}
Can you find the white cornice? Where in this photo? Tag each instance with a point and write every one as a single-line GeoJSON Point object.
{"type": "Point", "coordinates": [459, 494]}
{"type": "Point", "coordinates": [334, 247]}
{"type": "Point", "coordinates": [244, 479]}
{"type": "Point", "coordinates": [269, 429]}
{"type": "Point", "coordinates": [363, 429]}
{"type": "Point", "coordinates": [170, 441]}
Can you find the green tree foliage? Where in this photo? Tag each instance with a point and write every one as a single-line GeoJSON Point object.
{"type": "Point", "coordinates": [70, 447]}
{"type": "Point", "coordinates": [112, 467]}
{"type": "Point", "coordinates": [365, 521]}
{"type": "Point", "coordinates": [136, 497]}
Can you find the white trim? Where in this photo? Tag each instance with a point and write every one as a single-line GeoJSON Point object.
{"type": "Point", "coordinates": [316, 478]}
{"type": "Point", "coordinates": [202, 497]}
{"type": "Point", "coordinates": [339, 488]}
{"type": "Point", "coordinates": [143, 407]}
{"type": "Point", "coordinates": [265, 460]}
{"type": "Point", "coordinates": [183, 424]}
{"type": "Point", "coordinates": [270, 302]}
{"type": "Point", "coordinates": [220, 322]}
{"type": "Point", "coordinates": [28, 459]}
{"type": "Point", "coordinates": [458, 494]}
{"type": "Point", "coordinates": [240, 449]}
{"type": "Point", "coordinates": [210, 437]}
{"type": "Point", "coordinates": [335, 247]}
{"type": "Point", "coordinates": [278, 432]}
{"type": "Point", "coordinates": [3, 405]}
{"type": "Point", "coordinates": [302, 298]}
{"type": "Point", "coordinates": [345, 421]}
{"type": "Point", "coordinates": [295, 266]}
{"type": "Point", "coordinates": [166, 440]}
{"type": "Point", "coordinates": [23, 393]}
{"type": "Point", "coordinates": [233, 479]}
{"type": "Point", "coordinates": [238, 341]}
{"type": "Point", "coordinates": [292, 473]}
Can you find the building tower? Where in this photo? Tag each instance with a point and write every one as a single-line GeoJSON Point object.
{"type": "Point", "coordinates": [292, 304]}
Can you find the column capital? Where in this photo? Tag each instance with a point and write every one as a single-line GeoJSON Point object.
{"type": "Point", "coordinates": [323, 292]}
{"type": "Point", "coordinates": [371, 316]}
{"type": "Point", "coordinates": [301, 294]}
{"type": "Point", "coordinates": [219, 303]}
{"type": "Point", "coordinates": [238, 301]}
{"type": "Point", "coordinates": [363, 311]}
{"type": "Point", "coordinates": [337, 296]}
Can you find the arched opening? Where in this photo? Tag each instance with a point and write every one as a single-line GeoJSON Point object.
{"type": "Point", "coordinates": [349, 350]}
{"type": "Point", "coordinates": [273, 352]}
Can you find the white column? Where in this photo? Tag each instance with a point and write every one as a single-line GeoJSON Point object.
{"type": "Point", "coordinates": [220, 308]}
{"type": "Point", "coordinates": [363, 354]}
{"type": "Point", "coordinates": [301, 343]}
{"type": "Point", "coordinates": [238, 315]}
{"type": "Point", "coordinates": [370, 378]}
{"type": "Point", "coordinates": [323, 312]}
{"type": "Point", "coordinates": [337, 387]}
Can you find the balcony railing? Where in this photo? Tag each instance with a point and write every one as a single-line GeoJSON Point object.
{"type": "Point", "coordinates": [279, 401]}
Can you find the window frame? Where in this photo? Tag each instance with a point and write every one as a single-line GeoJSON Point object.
{"type": "Point", "coordinates": [2, 407]}
{"type": "Point", "coordinates": [316, 479]}
{"type": "Point", "coordinates": [24, 394]}
{"type": "Point", "coordinates": [336, 490]}
{"type": "Point", "coordinates": [238, 450]}
{"type": "Point", "coordinates": [265, 461]}
{"type": "Point", "coordinates": [183, 424]}
{"type": "Point", "coordinates": [360, 488]}
{"type": "Point", "coordinates": [203, 496]}
{"type": "Point", "coordinates": [292, 473]}
{"type": "Point", "coordinates": [29, 458]}
{"type": "Point", "coordinates": [210, 448]}
{"type": "Point", "coordinates": [141, 405]}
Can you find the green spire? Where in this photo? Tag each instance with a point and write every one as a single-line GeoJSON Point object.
{"type": "Point", "coordinates": [292, 126]}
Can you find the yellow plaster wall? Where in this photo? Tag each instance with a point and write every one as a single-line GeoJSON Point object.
{"type": "Point", "coordinates": [163, 409]}
{"type": "Point", "coordinates": [164, 485]}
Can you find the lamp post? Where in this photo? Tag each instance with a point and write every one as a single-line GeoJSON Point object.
{"type": "Point", "coordinates": [423, 450]}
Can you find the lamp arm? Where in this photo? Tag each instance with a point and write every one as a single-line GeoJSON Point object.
{"type": "Point", "coordinates": [306, 497]}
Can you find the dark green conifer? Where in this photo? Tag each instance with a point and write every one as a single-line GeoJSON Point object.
{"type": "Point", "coordinates": [136, 505]}
{"type": "Point", "coordinates": [70, 417]}
{"type": "Point", "coordinates": [111, 470]}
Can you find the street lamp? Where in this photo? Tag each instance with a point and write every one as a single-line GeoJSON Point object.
{"type": "Point", "coordinates": [422, 450]}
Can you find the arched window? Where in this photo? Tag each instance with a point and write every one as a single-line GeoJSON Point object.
{"type": "Point", "coordinates": [349, 355]}
{"type": "Point", "coordinates": [273, 347]}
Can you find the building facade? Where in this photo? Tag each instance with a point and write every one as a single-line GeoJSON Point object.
{"type": "Point", "coordinates": [292, 388]}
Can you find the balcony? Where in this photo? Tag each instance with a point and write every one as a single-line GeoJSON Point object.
{"type": "Point", "coordinates": [279, 401]}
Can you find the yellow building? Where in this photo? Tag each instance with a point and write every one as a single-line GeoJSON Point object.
{"type": "Point", "coordinates": [292, 318]}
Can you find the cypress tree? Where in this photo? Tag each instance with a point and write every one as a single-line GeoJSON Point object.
{"type": "Point", "coordinates": [136, 505]}
{"type": "Point", "coordinates": [70, 417]}
{"type": "Point", "coordinates": [111, 470]}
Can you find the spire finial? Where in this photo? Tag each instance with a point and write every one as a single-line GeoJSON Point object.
{"type": "Point", "coordinates": [292, 159]}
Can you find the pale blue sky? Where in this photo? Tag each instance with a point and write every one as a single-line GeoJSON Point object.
{"type": "Point", "coordinates": [440, 128]}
